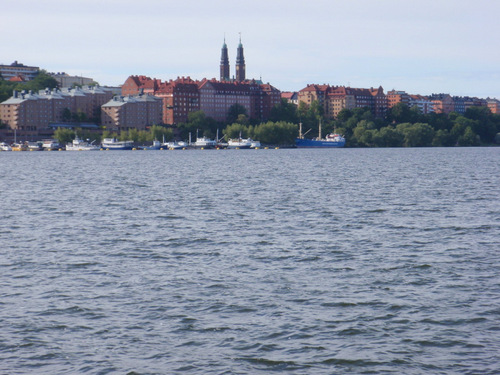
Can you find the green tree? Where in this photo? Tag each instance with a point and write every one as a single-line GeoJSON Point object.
{"type": "Point", "coordinates": [416, 135]}
{"type": "Point", "coordinates": [198, 123]}
{"type": "Point", "coordinates": [443, 138]}
{"type": "Point", "coordinates": [161, 133]}
{"type": "Point", "coordinates": [276, 133]}
{"type": "Point", "coordinates": [401, 113]}
{"type": "Point", "coordinates": [234, 111]}
{"type": "Point", "coordinates": [469, 138]}
{"type": "Point", "coordinates": [64, 135]}
{"type": "Point", "coordinates": [388, 137]}
{"type": "Point", "coordinates": [234, 131]}
{"type": "Point", "coordinates": [284, 111]}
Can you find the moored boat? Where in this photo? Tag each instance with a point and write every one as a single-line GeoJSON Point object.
{"type": "Point", "coordinates": [175, 145]}
{"type": "Point", "coordinates": [205, 142]}
{"type": "Point", "coordinates": [155, 146]}
{"type": "Point", "coordinates": [81, 145]}
{"type": "Point", "coordinates": [114, 144]}
{"type": "Point", "coordinates": [50, 144]}
{"type": "Point", "coordinates": [35, 146]}
{"type": "Point", "coordinates": [255, 144]}
{"type": "Point", "coordinates": [239, 143]}
{"type": "Point", "coordinates": [19, 146]}
{"type": "Point", "coordinates": [5, 146]}
{"type": "Point", "coordinates": [332, 140]}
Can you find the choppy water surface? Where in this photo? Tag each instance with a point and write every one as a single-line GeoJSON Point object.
{"type": "Point", "coordinates": [250, 261]}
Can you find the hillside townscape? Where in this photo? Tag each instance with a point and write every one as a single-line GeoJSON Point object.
{"type": "Point", "coordinates": [36, 104]}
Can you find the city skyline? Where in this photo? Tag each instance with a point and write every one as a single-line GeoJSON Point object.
{"type": "Point", "coordinates": [422, 48]}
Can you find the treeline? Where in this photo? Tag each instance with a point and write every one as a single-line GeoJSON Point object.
{"type": "Point", "coordinates": [407, 127]}
{"type": "Point", "coordinates": [402, 126]}
{"type": "Point", "coordinates": [279, 132]}
{"type": "Point", "coordinates": [155, 132]}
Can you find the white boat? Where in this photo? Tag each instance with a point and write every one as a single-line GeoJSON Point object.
{"type": "Point", "coordinates": [255, 144]}
{"type": "Point", "coordinates": [205, 142]}
{"type": "Point", "coordinates": [114, 144]}
{"type": "Point", "coordinates": [5, 147]}
{"type": "Point", "coordinates": [50, 144]}
{"type": "Point", "coordinates": [81, 145]}
{"type": "Point", "coordinates": [34, 146]}
{"type": "Point", "coordinates": [175, 145]}
{"type": "Point", "coordinates": [243, 143]}
{"type": "Point", "coordinates": [155, 146]}
{"type": "Point", "coordinates": [239, 143]}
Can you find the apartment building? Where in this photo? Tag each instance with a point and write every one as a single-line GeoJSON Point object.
{"type": "Point", "coordinates": [396, 96]}
{"type": "Point", "coordinates": [184, 95]}
{"type": "Point", "coordinates": [424, 104]}
{"type": "Point", "coordinates": [335, 98]}
{"type": "Point", "coordinates": [31, 114]}
{"type": "Point", "coordinates": [18, 70]}
{"type": "Point", "coordinates": [66, 80]}
{"type": "Point", "coordinates": [443, 103]}
{"type": "Point", "coordinates": [123, 113]}
{"type": "Point", "coordinates": [493, 105]}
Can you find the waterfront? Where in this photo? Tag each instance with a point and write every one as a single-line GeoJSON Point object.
{"type": "Point", "coordinates": [250, 261]}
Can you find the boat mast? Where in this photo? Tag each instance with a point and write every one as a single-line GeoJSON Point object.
{"type": "Point", "coordinates": [319, 129]}
{"type": "Point", "coordinates": [300, 130]}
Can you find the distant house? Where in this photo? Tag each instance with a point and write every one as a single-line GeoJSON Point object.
{"type": "Point", "coordinates": [291, 97]}
{"type": "Point", "coordinates": [17, 69]}
{"type": "Point", "coordinates": [66, 80]}
{"type": "Point", "coordinates": [131, 112]}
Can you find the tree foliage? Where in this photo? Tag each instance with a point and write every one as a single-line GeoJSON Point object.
{"type": "Point", "coordinates": [42, 81]}
{"type": "Point", "coordinates": [198, 123]}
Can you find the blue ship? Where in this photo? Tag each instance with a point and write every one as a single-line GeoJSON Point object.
{"type": "Point", "coordinates": [331, 140]}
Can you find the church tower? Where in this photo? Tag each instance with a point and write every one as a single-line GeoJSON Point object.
{"type": "Point", "coordinates": [240, 64]}
{"type": "Point", "coordinates": [224, 63]}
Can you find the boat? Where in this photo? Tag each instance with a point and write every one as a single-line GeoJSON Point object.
{"type": "Point", "coordinates": [81, 145]}
{"type": "Point", "coordinates": [175, 145]}
{"type": "Point", "coordinates": [19, 146]}
{"type": "Point", "coordinates": [155, 146]}
{"type": "Point", "coordinates": [239, 143]}
{"type": "Point", "coordinates": [330, 141]}
{"type": "Point", "coordinates": [205, 142]}
{"type": "Point", "coordinates": [5, 147]}
{"type": "Point", "coordinates": [255, 144]}
{"type": "Point", "coordinates": [114, 144]}
{"type": "Point", "coordinates": [35, 146]}
{"type": "Point", "coordinates": [50, 144]}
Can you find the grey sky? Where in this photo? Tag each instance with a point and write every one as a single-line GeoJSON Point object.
{"type": "Point", "coordinates": [422, 46]}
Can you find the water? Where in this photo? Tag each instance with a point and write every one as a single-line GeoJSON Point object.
{"type": "Point", "coordinates": [250, 261]}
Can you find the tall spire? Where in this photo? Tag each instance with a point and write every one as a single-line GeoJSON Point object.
{"type": "Point", "coordinates": [240, 63]}
{"type": "Point", "coordinates": [224, 62]}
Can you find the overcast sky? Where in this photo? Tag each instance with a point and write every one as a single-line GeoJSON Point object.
{"type": "Point", "coordinates": [422, 47]}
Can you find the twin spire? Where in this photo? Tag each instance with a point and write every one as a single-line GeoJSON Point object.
{"type": "Point", "coordinates": [224, 63]}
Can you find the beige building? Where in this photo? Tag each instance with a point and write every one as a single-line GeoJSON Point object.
{"type": "Point", "coordinates": [66, 80]}
{"type": "Point", "coordinates": [335, 98]}
{"type": "Point", "coordinates": [132, 112]}
{"type": "Point", "coordinates": [31, 114]}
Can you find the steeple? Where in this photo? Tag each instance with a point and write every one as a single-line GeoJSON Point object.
{"type": "Point", "coordinates": [240, 63]}
{"type": "Point", "coordinates": [224, 63]}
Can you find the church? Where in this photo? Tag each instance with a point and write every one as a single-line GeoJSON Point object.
{"type": "Point", "coordinates": [214, 97]}
{"type": "Point", "coordinates": [240, 64]}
